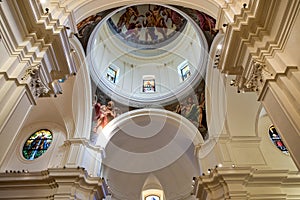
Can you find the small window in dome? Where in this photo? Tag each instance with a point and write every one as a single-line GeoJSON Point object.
{"type": "Point", "coordinates": [184, 70]}
{"type": "Point", "coordinates": [276, 139]}
{"type": "Point", "coordinates": [37, 144]}
{"type": "Point", "coordinates": [152, 197]}
{"type": "Point", "coordinates": [149, 84]}
{"type": "Point", "coordinates": [111, 74]}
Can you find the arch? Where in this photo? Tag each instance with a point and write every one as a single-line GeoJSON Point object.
{"type": "Point", "coordinates": [215, 99]}
{"type": "Point", "coordinates": [132, 150]}
{"type": "Point", "coordinates": [81, 94]}
{"type": "Point", "coordinates": [83, 9]}
{"type": "Point", "coordinates": [273, 156]}
{"type": "Point", "coordinates": [146, 124]}
{"type": "Point", "coordinates": [152, 187]}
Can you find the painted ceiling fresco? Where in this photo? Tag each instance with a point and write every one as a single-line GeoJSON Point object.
{"type": "Point", "coordinates": [147, 24]}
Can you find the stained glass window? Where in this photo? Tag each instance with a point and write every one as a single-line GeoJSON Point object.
{"type": "Point", "coordinates": [37, 144]}
{"type": "Point", "coordinates": [149, 85]}
{"type": "Point", "coordinates": [152, 197]}
{"type": "Point", "coordinates": [276, 139]}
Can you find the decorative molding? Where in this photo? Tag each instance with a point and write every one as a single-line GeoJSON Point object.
{"type": "Point", "coordinates": [37, 84]}
{"type": "Point", "coordinates": [48, 45]}
{"type": "Point", "coordinates": [253, 78]}
{"type": "Point", "coordinates": [225, 182]}
{"type": "Point", "coordinates": [254, 36]}
{"type": "Point", "coordinates": [274, 78]}
{"type": "Point", "coordinates": [54, 182]}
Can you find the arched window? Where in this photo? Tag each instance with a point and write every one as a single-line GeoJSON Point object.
{"type": "Point", "coordinates": [276, 139]}
{"type": "Point", "coordinates": [37, 144]}
{"type": "Point", "coordinates": [152, 197]}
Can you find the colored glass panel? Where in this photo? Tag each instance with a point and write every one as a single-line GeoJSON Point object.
{"type": "Point", "coordinates": [152, 197]}
{"type": "Point", "coordinates": [149, 86]}
{"type": "Point", "coordinates": [37, 144]}
{"type": "Point", "coordinates": [111, 74]}
{"type": "Point", "coordinates": [276, 139]}
{"type": "Point", "coordinates": [185, 72]}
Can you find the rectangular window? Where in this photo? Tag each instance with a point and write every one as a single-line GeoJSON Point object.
{"type": "Point", "coordinates": [111, 75]}
{"type": "Point", "coordinates": [149, 85]}
{"type": "Point", "coordinates": [185, 72]}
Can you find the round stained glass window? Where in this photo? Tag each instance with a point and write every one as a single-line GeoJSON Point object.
{"type": "Point", "coordinates": [276, 139]}
{"type": "Point", "coordinates": [37, 144]}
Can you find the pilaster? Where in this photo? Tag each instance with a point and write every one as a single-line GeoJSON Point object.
{"type": "Point", "coordinates": [82, 153]}
{"type": "Point", "coordinates": [262, 38]}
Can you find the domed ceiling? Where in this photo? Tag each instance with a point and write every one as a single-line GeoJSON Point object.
{"type": "Point", "coordinates": [147, 26]}
{"type": "Point", "coordinates": [205, 22]}
{"type": "Point", "coordinates": [147, 56]}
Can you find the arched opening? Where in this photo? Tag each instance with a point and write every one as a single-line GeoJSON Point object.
{"type": "Point", "coordinates": [150, 142]}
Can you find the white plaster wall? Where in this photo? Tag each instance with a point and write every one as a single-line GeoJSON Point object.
{"type": "Point", "coordinates": [274, 157]}
{"type": "Point", "coordinates": [14, 119]}
{"type": "Point", "coordinates": [238, 132]}
{"type": "Point", "coordinates": [52, 158]}
{"type": "Point", "coordinates": [242, 109]}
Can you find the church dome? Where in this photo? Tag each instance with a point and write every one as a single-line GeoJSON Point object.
{"type": "Point", "coordinates": [147, 55]}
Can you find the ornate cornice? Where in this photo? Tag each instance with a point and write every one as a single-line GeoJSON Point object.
{"type": "Point", "coordinates": [46, 43]}
{"type": "Point", "coordinates": [257, 33]}
{"type": "Point", "coordinates": [58, 182]}
{"type": "Point", "coordinates": [37, 84]}
{"type": "Point", "coordinates": [244, 182]}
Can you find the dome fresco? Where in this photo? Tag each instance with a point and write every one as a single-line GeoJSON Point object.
{"type": "Point", "coordinates": [205, 22]}
{"type": "Point", "coordinates": [147, 26]}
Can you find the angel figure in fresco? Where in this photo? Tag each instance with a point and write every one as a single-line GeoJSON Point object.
{"type": "Point", "coordinates": [102, 118]}
{"type": "Point", "coordinates": [191, 111]}
{"type": "Point", "coordinates": [131, 12]}
{"type": "Point", "coordinates": [176, 19]}
{"type": "Point", "coordinates": [133, 31]}
{"type": "Point", "coordinates": [103, 115]}
{"type": "Point", "coordinates": [149, 24]}
{"type": "Point", "coordinates": [159, 21]}
{"type": "Point", "coordinates": [201, 109]}
{"type": "Point", "coordinates": [99, 114]}
{"type": "Point", "coordinates": [206, 23]}
{"type": "Point", "coordinates": [178, 109]}
{"type": "Point", "coordinates": [87, 24]}
{"type": "Point", "coordinates": [110, 111]}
